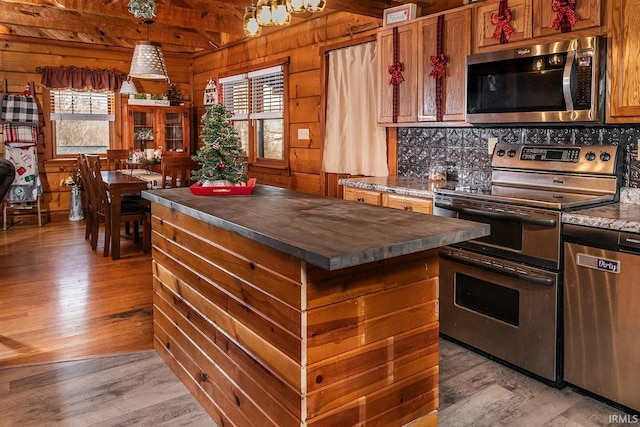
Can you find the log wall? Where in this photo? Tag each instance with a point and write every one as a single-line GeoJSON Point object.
{"type": "Point", "coordinates": [19, 59]}
{"type": "Point", "coordinates": [304, 46]}
{"type": "Point", "coordinates": [261, 338]}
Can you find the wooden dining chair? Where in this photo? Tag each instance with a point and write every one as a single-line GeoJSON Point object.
{"type": "Point", "coordinates": [89, 197]}
{"type": "Point", "coordinates": [176, 171]}
{"type": "Point", "coordinates": [116, 159]}
{"type": "Point", "coordinates": [130, 212]}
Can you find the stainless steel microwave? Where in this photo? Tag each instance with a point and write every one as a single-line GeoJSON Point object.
{"type": "Point", "coordinates": [562, 82]}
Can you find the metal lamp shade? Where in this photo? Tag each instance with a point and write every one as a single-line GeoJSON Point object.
{"type": "Point", "coordinates": [148, 62]}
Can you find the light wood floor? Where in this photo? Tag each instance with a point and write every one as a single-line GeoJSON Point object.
{"type": "Point", "coordinates": [59, 301]}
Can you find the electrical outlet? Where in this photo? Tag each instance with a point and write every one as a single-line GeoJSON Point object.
{"type": "Point", "coordinates": [303, 134]}
{"type": "Point", "coordinates": [491, 144]}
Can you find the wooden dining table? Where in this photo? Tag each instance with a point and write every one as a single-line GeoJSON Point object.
{"type": "Point", "coordinates": [117, 184]}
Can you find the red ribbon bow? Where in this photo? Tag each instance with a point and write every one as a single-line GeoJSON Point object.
{"type": "Point", "coordinates": [503, 30]}
{"type": "Point", "coordinates": [566, 16]}
{"type": "Point", "coordinates": [438, 63]}
{"type": "Point", "coordinates": [396, 73]}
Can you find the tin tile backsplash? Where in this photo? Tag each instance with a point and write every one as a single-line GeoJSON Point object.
{"type": "Point", "coordinates": [462, 152]}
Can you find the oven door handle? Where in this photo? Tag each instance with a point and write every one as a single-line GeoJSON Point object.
{"type": "Point", "coordinates": [535, 280]}
{"type": "Point", "coordinates": [534, 221]}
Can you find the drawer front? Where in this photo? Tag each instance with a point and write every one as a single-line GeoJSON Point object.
{"type": "Point", "coordinates": [364, 196]}
{"type": "Point", "coordinates": [407, 203]}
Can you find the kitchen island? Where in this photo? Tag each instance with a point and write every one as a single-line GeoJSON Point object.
{"type": "Point", "coordinates": [287, 309]}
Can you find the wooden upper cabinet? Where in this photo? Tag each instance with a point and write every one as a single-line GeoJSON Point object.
{"type": "Point", "coordinates": [407, 99]}
{"type": "Point", "coordinates": [456, 46]}
{"type": "Point", "coordinates": [623, 74]}
{"type": "Point", "coordinates": [589, 11]}
{"type": "Point", "coordinates": [521, 23]}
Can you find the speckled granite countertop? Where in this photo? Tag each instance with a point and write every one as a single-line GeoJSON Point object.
{"type": "Point", "coordinates": [622, 216]}
{"type": "Point", "coordinates": [408, 186]}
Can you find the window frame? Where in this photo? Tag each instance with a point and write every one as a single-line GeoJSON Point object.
{"type": "Point", "coordinates": [49, 127]}
{"type": "Point", "coordinates": [255, 162]}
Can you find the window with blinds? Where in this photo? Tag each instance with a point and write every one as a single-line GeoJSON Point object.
{"type": "Point", "coordinates": [235, 96]}
{"type": "Point", "coordinates": [267, 93]}
{"type": "Point", "coordinates": [257, 102]}
{"type": "Point", "coordinates": [75, 105]}
{"type": "Point", "coordinates": [82, 122]}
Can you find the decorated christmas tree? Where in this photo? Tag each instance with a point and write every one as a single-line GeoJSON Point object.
{"type": "Point", "coordinates": [221, 155]}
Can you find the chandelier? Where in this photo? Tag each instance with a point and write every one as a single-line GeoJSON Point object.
{"type": "Point", "coordinates": [276, 12]}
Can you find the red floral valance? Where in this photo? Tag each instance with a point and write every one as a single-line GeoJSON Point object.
{"type": "Point", "coordinates": [97, 80]}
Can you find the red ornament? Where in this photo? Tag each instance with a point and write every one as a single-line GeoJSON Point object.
{"type": "Point", "coordinates": [501, 20]}
{"type": "Point", "coordinates": [438, 63]}
{"type": "Point", "coordinates": [566, 16]}
{"type": "Point", "coordinates": [396, 73]}
{"type": "Point", "coordinates": [222, 166]}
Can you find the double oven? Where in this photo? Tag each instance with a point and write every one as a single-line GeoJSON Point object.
{"type": "Point", "coordinates": [502, 294]}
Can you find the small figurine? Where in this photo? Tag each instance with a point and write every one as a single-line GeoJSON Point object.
{"type": "Point", "coordinates": [27, 89]}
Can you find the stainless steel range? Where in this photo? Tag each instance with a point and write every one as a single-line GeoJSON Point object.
{"type": "Point", "coordinates": [501, 294]}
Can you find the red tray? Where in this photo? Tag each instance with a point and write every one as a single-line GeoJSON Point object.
{"type": "Point", "coordinates": [199, 190]}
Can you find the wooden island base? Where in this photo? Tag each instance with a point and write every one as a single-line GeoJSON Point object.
{"type": "Point", "coordinates": [263, 338]}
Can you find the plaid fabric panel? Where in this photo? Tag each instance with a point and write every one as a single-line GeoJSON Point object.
{"type": "Point", "coordinates": [27, 135]}
{"type": "Point", "coordinates": [19, 109]}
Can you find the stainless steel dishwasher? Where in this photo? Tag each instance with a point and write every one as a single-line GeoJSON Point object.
{"type": "Point", "coordinates": [602, 313]}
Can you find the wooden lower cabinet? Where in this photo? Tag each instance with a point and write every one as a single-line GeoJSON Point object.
{"type": "Point", "coordinates": [364, 196]}
{"type": "Point", "coordinates": [262, 338]}
{"type": "Point", "coordinates": [391, 200]}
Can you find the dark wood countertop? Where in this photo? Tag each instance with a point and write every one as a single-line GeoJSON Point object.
{"type": "Point", "coordinates": [327, 232]}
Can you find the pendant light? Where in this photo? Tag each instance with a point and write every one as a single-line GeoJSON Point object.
{"type": "Point", "coordinates": [250, 25]}
{"type": "Point", "coordinates": [263, 13]}
{"type": "Point", "coordinates": [128, 88]}
{"type": "Point", "coordinates": [315, 5]}
{"type": "Point", "coordinates": [148, 60]}
{"type": "Point", "coordinates": [297, 6]}
{"type": "Point", "coordinates": [280, 14]}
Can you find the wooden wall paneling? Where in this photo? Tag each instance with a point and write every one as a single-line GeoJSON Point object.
{"type": "Point", "coordinates": [356, 350]}
{"type": "Point", "coordinates": [304, 84]}
{"type": "Point", "coordinates": [304, 110]}
{"type": "Point", "coordinates": [18, 63]}
{"type": "Point", "coordinates": [228, 355]}
{"type": "Point", "coordinates": [315, 136]}
{"type": "Point", "coordinates": [305, 160]}
{"type": "Point", "coordinates": [302, 44]}
{"type": "Point", "coordinates": [306, 182]}
{"type": "Point", "coordinates": [198, 374]}
{"type": "Point", "coordinates": [234, 389]}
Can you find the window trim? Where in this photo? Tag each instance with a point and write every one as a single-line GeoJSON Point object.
{"type": "Point", "coordinates": [256, 163]}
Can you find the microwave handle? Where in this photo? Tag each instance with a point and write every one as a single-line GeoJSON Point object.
{"type": "Point", "coordinates": [566, 79]}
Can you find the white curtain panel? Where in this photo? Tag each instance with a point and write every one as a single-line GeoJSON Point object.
{"type": "Point", "coordinates": [354, 143]}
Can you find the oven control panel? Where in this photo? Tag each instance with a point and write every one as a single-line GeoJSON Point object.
{"type": "Point", "coordinates": [591, 159]}
{"type": "Point", "coordinates": [550, 154]}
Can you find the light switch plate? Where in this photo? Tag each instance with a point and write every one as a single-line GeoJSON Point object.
{"type": "Point", "coordinates": [491, 144]}
{"type": "Point", "coordinates": [303, 134]}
